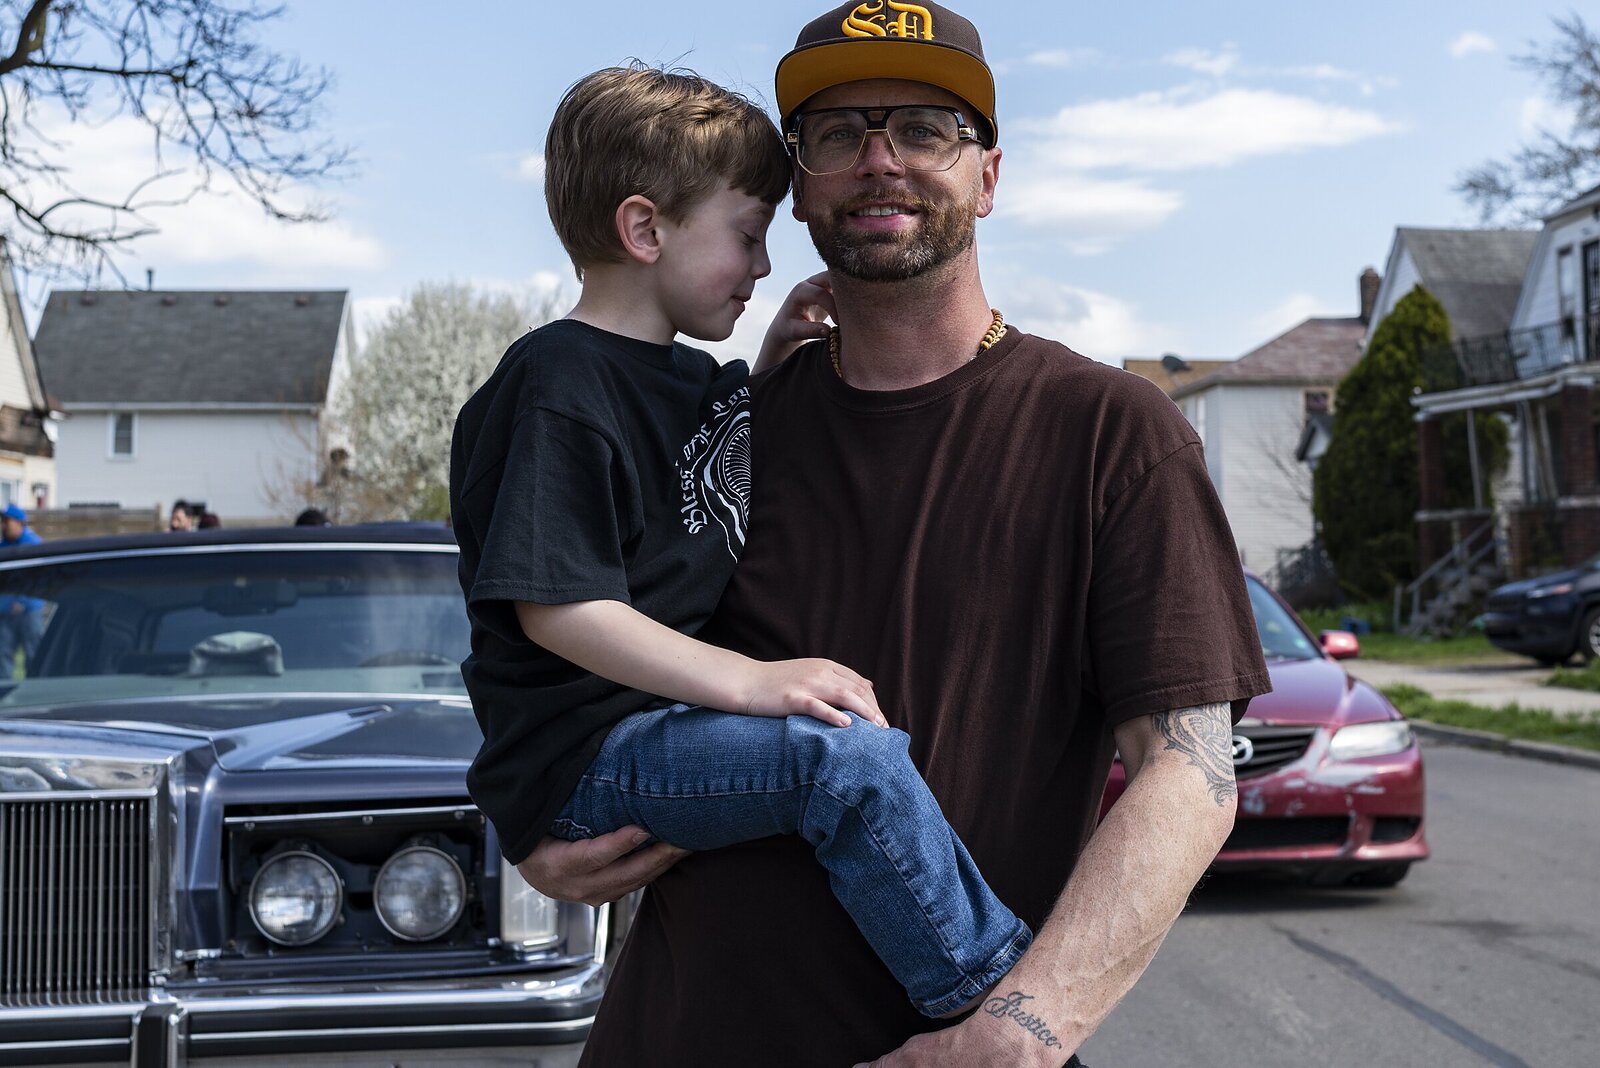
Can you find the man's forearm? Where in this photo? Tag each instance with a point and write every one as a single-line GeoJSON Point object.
{"type": "Point", "coordinates": [1127, 890]}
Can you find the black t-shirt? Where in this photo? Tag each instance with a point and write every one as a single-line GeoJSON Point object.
{"type": "Point", "coordinates": [590, 466]}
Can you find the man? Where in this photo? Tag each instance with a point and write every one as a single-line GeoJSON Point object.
{"type": "Point", "coordinates": [182, 518]}
{"type": "Point", "coordinates": [1019, 547]}
{"type": "Point", "coordinates": [21, 618]}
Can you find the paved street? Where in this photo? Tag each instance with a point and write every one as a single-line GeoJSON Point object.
{"type": "Point", "coordinates": [1488, 954]}
{"type": "Point", "coordinates": [1494, 682]}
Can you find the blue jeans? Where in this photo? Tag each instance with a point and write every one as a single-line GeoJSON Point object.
{"type": "Point", "coordinates": [23, 628]}
{"type": "Point", "coordinates": [702, 779]}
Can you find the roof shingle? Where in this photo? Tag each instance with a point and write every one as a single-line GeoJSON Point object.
{"type": "Point", "coordinates": [1315, 352]}
{"type": "Point", "coordinates": [189, 346]}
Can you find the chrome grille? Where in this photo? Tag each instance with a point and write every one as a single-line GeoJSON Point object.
{"type": "Point", "coordinates": [1273, 747]}
{"type": "Point", "coordinates": [74, 899]}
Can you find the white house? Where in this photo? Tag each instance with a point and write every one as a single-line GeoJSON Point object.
{"type": "Point", "coordinates": [1253, 414]}
{"type": "Point", "coordinates": [27, 445]}
{"type": "Point", "coordinates": [211, 397]}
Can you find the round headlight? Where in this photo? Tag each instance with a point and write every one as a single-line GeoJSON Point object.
{"type": "Point", "coordinates": [420, 893]}
{"type": "Point", "coordinates": [295, 898]}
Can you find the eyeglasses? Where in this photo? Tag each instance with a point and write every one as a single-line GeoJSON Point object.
{"type": "Point", "coordinates": [923, 137]}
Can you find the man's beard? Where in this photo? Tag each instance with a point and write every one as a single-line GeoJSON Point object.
{"type": "Point", "coordinates": [944, 232]}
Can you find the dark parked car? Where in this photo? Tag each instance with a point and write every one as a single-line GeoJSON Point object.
{"type": "Point", "coordinates": [1550, 617]}
{"type": "Point", "coordinates": [233, 818]}
{"type": "Point", "coordinates": [1330, 777]}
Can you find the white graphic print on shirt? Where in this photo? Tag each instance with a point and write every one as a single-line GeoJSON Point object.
{"type": "Point", "coordinates": [714, 472]}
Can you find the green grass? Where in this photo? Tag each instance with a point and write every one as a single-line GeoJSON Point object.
{"type": "Point", "coordinates": [1584, 678]}
{"type": "Point", "coordinates": [1380, 643]}
{"type": "Point", "coordinates": [1513, 721]}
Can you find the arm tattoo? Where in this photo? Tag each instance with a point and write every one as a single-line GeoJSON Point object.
{"type": "Point", "coordinates": [1010, 1007]}
{"type": "Point", "coordinates": [1205, 735]}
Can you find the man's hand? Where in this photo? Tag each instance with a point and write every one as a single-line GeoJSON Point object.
{"type": "Point", "coordinates": [976, 1041]}
{"type": "Point", "coordinates": [597, 870]}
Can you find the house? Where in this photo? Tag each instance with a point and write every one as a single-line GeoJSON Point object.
{"type": "Point", "coordinates": [1171, 372]}
{"type": "Point", "coordinates": [1253, 415]}
{"type": "Point", "coordinates": [1532, 358]}
{"type": "Point", "coordinates": [27, 428]}
{"type": "Point", "coordinates": [212, 396]}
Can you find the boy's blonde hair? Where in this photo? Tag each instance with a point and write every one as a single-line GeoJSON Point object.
{"type": "Point", "coordinates": [669, 135]}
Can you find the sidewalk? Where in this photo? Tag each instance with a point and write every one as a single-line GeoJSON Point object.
{"type": "Point", "coordinates": [1491, 683]}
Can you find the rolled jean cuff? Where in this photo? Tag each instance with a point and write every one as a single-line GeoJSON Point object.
{"type": "Point", "coordinates": [981, 981]}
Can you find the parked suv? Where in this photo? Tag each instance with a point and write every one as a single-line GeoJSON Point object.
{"type": "Point", "coordinates": [1550, 617]}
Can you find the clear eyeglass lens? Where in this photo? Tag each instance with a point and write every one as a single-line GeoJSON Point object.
{"type": "Point", "coordinates": [924, 139]}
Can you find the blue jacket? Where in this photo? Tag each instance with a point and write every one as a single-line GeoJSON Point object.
{"type": "Point", "coordinates": [31, 604]}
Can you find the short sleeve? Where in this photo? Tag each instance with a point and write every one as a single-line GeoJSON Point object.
{"type": "Point", "coordinates": [1170, 624]}
{"type": "Point", "coordinates": [557, 522]}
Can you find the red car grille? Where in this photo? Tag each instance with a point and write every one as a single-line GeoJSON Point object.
{"type": "Point", "coordinates": [1279, 833]}
{"type": "Point", "coordinates": [1271, 747]}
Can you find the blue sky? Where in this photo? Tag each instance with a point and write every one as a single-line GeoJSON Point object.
{"type": "Point", "coordinates": [1176, 177]}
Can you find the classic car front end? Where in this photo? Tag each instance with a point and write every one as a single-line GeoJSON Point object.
{"type": "Point", "coordinates": [233, 820]}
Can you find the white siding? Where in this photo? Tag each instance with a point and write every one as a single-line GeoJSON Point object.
{"type": "Point", "coordinates": [229, 460]}
{"type": "Point", "coordinates": [1540, 304]}
{"type": "Point", "coordinates": [1401, 279]}
{"type": "Point", "coordinates": [1265, 491]}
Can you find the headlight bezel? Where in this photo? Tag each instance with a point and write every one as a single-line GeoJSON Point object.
{"type": "Point", "coordinates": [1384, 737]}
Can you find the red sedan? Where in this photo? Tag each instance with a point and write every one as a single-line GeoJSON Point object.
{"type": "Point", "coordinates": [1330, 776]}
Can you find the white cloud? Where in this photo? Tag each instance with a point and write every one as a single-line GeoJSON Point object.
{"type": "Point", "coordinates": [1186, 128]}
{"type": "Point", "coordinates": [1469, 42]}
{"type": "Point", "coordinates": [1215, 64]}
{"type": "Point", "coordinates": [1539, 115]}
{"type": "Point", "coordinates": [1089, 213]}
{"type": "Point", "coordinates": [107, 159]}
{"type": "Point", "coordinates": [1290, 311]}
{"type": "Point", "coordinates": [1097, 325]}
{"type": "Point", "coordinates": [530, 168]}
{"type": "Point", "coordinates": [1062, 57]}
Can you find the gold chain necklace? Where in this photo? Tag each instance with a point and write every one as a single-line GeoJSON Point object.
{"type": "Point", "coordinates": [996, 331]}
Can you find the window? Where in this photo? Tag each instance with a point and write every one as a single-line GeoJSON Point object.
{"type": "Point", "coordinates": [122, 434]}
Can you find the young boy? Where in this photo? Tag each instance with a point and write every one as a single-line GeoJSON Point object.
{"type": "Point", "coordinates": [600, 488]}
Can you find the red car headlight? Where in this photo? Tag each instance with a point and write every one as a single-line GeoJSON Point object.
{"type": "Point", "coordinates": [1371, 739]}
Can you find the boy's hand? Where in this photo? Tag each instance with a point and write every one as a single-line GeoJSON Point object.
{"type": "Point", "coordinates": [816, 688]}
{"type": "Point", "coordinates": [802, 317]}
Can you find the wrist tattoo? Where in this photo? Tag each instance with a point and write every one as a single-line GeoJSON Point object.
{"type": "Point", "coordinates": [1010, 1007]}
{"type": "Point", "coordinates": [1205, 735]}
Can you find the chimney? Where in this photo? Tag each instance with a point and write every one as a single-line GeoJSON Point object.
{"type": "Point", "coordinates": [1369, 282]}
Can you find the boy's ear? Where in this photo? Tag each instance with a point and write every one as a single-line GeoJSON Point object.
{"type": "Point", "coordinates": [636, 220]}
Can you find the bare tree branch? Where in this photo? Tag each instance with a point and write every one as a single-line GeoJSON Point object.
{"type": "Point", "coordinates": [219, 107]}
{"type": "Point", "coordinates": [1556, 165]}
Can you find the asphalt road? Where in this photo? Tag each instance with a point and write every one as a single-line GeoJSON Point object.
{"type": "Point", "coordinates": [1488, 954]}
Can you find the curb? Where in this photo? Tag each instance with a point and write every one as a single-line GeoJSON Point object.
{"type": "Point", "coordinates": [1499, 743]}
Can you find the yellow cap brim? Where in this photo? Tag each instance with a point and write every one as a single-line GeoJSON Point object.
{"type": "Point", "coordinates": [807, 71]}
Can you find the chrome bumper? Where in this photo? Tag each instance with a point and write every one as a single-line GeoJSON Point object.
{"type": "Point", "coordinates": [172, 1027]}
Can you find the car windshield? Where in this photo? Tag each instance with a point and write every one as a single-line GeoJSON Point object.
{"type": "Point", "coordinates": [1281, 636]}
{"type": "Point", "coordinates": [302, 618]}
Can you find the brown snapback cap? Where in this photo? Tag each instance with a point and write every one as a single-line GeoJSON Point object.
{"type": "Point", "coordinates": [887, 39]}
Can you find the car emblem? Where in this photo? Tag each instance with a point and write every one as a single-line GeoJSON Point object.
{"type": "Point", "coordinates": [1243, 750]}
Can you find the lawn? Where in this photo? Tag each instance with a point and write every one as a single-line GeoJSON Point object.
{"type": "Point", "coordinates": [1380, 643]}
{"type": "Point", "coordinates": [1513, 721]}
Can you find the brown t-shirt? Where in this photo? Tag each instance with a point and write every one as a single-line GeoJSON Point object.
{"type": "Point", "coordinates": [1020, 555]}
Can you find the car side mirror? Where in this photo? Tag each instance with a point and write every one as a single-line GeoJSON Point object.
{"type": "Point", "coordinates": [1340, 644]}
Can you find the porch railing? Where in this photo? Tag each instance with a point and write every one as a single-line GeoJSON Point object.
{"type": "Point", "coordinates": [1446, 586]}
{"type": "Point", "coordinates": [1505, 357]}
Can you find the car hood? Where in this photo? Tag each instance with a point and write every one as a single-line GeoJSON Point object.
{"type": "Point", "coordinates": [1317, 692]}
{"type": "Point", "coordinates": [1517, 589]}
{"type": "Point", "coordinates": [274, 733]}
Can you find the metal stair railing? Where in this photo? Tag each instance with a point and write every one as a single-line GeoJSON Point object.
{"type": "Point", "coordinates": [1462, 556]}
